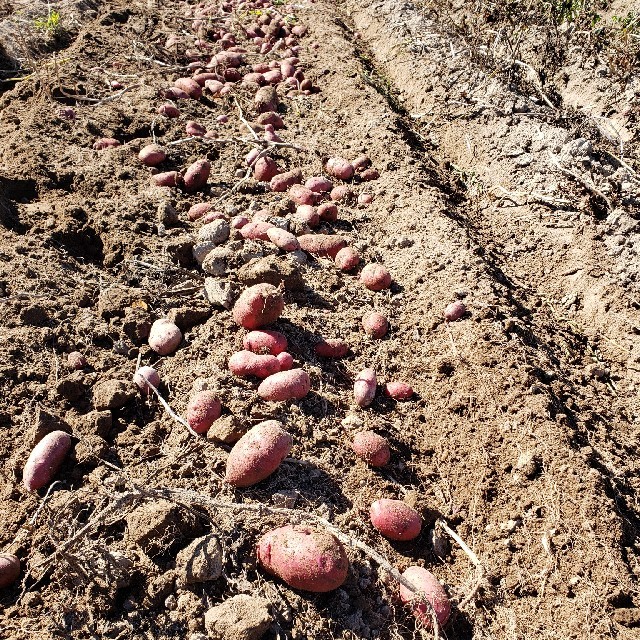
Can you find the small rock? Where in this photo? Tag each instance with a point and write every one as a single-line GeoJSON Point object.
{"type": "Point", "coordinates": [439, 543]}
{"type": "Point", "coordinates": [298, 257]}
{"type": "Point", "coordinates": [352, 422]}
{"type": "Point", "coordinates": [242, 617]}
{"type": "Point", "coordinates": [202, 250]}
{"type": "Point", "coordinates": [216, 232]}
{"type": "Point", "coordinates": [112, 394]}
{"type": "Point", "coordinates": [201, 561]}
{"type": "Point", "coordinates": [167, 214]}
{"type": "Point", "coordinates": [220, 293]}
{"type": "Point", "coordinates": [171, 603]}
{"type": "Point", "coordinates": [218, 261]}
{"type": "Point", "coordinates": [526, 465]}
{"type": "Point", "coordinates": [285, 499]}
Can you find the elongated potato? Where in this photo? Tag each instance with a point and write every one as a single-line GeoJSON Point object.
{"type": "Point", "coordinates": [283, 181]}
{"type": "Point", "coordinates": [167, 179]}
{"type": "Point", "coordinates": [196, 175]}
{"type": "Point", "coordinates": [320, 244]}
{"type": "Point", "coordinates": [247, 363]}
{"type": "Point", "coordinates": [395, 519]}
{"type": "Point", "coordinates": [258, 306]}
{"type": "Point", "coordinates": [203, 410]}
{"type": "Point", "coordinates": [152, 155]}
{"type": "Point", "coordinates": [283, 239]}
{"type": "Point", "coordinates": [427, 586]}
{"type": "Point", "coordinates": [364, 388]}
{"type": "Point", "coordinates": [190, 87]}
{"type": "Point", "coordinates": [305, 558]}
{"type": "Point", "coordinates": [45, 460]}
{"type": "Point", "coordinates": [286, 385]}
{"type": "Point", "coordinates": [331, 348]}
{"type": "Point", "coordinates": [264, 341]}
{"type": "Point", "coordinates": [256, 230]}
{"type": "Point", "coordinates": [258, 454]}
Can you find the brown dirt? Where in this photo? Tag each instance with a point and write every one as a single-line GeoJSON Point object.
{"type": "Point", "coordinates": [524, 431]}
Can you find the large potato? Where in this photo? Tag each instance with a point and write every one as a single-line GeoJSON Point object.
{"type": "Point", "coordinates": [257, 454]}
{"type": "Point", "coordinates": [247, 363]}
{"type": "Point", "coordinates": [286, 385]}
{"type": "Point", "coordinates": [265, 341]}
{"type": "Point", "coordinates": [395, 519]}
{"type": "Point", "coordinates": [305, 558]}
{"type": "Point", "coordinates": [45, 460]}
{"type": "Point", "coordinates": [258, 305]}
{"type": "Point", "coordinates": [427, 587]}
{"type": "Point", "coordinates": [320, 244]}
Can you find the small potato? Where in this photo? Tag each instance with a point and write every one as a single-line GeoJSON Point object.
{"type": "Point", "coordinates": [347, 259]}
{"type": "Point", "coordinates": [305, 558]}
{"type": "Point", "coordinates": [173, 93]}
{"type": "Point", "coordinates": [320, 244]}
{"type": "Point", "coordinates": [369, 174]}
{"type": "Point", "coordinates": [286, 361]}
{"type": "Point", "coordinates": [331, 348]}
{"type": "Point", "coordinates": [196, 175]}
{"type": "Point", "coordinates": [237, 222]}
{"type": "Point", "coordinates": [398, 390]}
{"type": "Point", "coordinates": [319, 184]}
{"type": "Point", "coordinates": [164, 337]}
{"type": "Point", "coordinates": [286, 385]}
{"type": "Point", "coordinates": [270, 118]}
{"type": "Point", "coordinates": [372, 448]}
{"type": "Point", "coordinates": [364, 388]}
{"type": "Point", "coordinates": [201, 78]}
{"type": "Point", "coordinates": [273, 77]}
{"type": "Point", "coordinates": [265, 341]}
{"type": "Point", "coordinates": [301, 195]}
{"type": "Point", "coordinates": [106, 143]}
{"type": "Point", "coordinates": [375, 324]}
{"type": "Point", "coordinates": [203, 410]}
{"type": "Point", "coordinates": [264, 169]}
{"type": "Point", "coordinates": [454, 311]}
{"type": "Point", "coordinates": [365, 199]}
{"type": "Point", "coordinates": [152, 155]}
{"type": "Point", "coordinates": [266, 98]}
{"type": "Point", "coordinates": [427, 586]}
{"type": "Point", "coordinates": [144, 375]}
{"type": "Point", "coordinates": [375, 277]}
{"type": "Point", "coordinates": [339, 168]}
{"type": "Point", "coordinates": [76, 360]}
{"type": "Point", "coordinates": [256, 230]}
{"type": "Point", "coordinates": [257, 454]}
{"type": "Point", "coordinates": [284, 181]}
{"type": "Point", "coordinates": [169, 111]}
{"type": "Point", "coordinates": [214, 86]}
{"type": "Point", "coordinates": [308, 214]}
{"type": "Point", "coordinates": [328, 212]}
{"type": "Point", "coordinates": [194, 129]}
{"type": "Point", "coordinates": [254, 78]}
{"type": "Point", "coordinates": [247, 363]}
{"type": "Point", "coordinates": [45, 460]}
{"type": "Point", "coordinates": [258, 305]}
{"type": "Point", "coordinates": [198, 210]}
{"type": "Point", "coordinates": [361, 163]}
{"type": "Point", "coordinates": [9, 569]}
{"type": "Point", "coordinates": [190, 87]}
{"type": "Point", "coordinates": [167, 179]}
{"type": "Point", "coordinates": [283, 239]}
{"type": "Point", "coordinates": [341, 193]}
{"type": "Point", "coordinates": [395, 519]}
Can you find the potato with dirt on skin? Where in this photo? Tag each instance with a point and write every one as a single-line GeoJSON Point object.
{"type": "Point", "coordinates": [364, 388]}
{"type": "Point", "coordinates": [264, 169]}
{"type": "Point", "coordinates": [309, 215]}
{"type": "Point", "coordinates": [428, 587]}
{"type": "Point", "coordinates": [303, 557]}
{"type": "Point", "coordinates": [164, 337]}
{"type": "Point", "coordinates": [375, 324]}
{"type": "Point", "coordinates": [196, 176]}
{"type": "Point", "coordinates": [454, 311]}
{"type": "Point", "coordinates": [152, 155]}
{"type": "Point", "coordinates": [398, 390]}
{"type": "Point", "coordinates": [372, 448]}
{"type": "Point", "coordinates": [247, 363]}
{"type": "Point", "coordinates": [256, 230]}
{"type": "Point", "coordinates": [45, 460]}
{"type": "Point", "coordinates": [375, 277]}
{"type": "Point", "coordinates": [294, 384]}
{"type": "Point", "coordinates": [167, 179]}
{"type": "Point", "coordinates": [320, 244]}
{"type": "Point", "coordinates": [284, 181]}
{"type": "Point", "coordinates": [319, 184]}
{"type": "Point", "coordinates": [106, 143]}
{"type": "Point", "coordinates": [339, 168]}
{"type": "Point", "coordinates": [145, 375]}
{"type": "Point", "coordinates": [258, 454]}
{"type": "Point", "coordinates": [9, 569]}
{"type": "Point", "coordinates": [301, 195]}
{"type": "Point", "coordinates": [258, 306]}
{"type": "Point", "coordinates": [190, 87]}
{"type": "Point", "coordinates": [331, 348]}
{"type": "Point", "coordinates": [347, 259]}
{"type": "Point", "coordinates": [395, 519]}
{"type": "Point", "coordinates": [265, 341]}
{"type": "Point", "coordinates": [328, 212]}
{"type": "Point", "coordinates": [282, 239]}
{"type": "Point", "coordinates": [203, 410]}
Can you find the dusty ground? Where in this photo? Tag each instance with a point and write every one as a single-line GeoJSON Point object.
{"type": "Point", "coordinates": [507, 186]}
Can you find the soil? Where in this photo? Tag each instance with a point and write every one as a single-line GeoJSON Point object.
{"type": "Point", "coordinates": [509, 193]}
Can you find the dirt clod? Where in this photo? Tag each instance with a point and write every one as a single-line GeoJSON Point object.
{"type": "Point", "coordinates": [242, 617]}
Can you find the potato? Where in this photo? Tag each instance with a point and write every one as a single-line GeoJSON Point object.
{"type": "Point", "coordinates": [428, 587]}
{"type": "Point", "coordinates": [270, 118]}
{"type": "Point", "coordinates": [339, 168]}
{"type": "Point", "coordinates": [371, 448]}
{"type": "Point", "coordinates": [286, 361]}
{"type": "Point", "coordinates": [168, 110]}
{"type": "Point", "coordinates": [303, 557]}
{"type": "Point", "coordinates": [164, 337]}
{"type": "Point", "coordinates": [328, 211]}
{"type": "Point", "coordinates": [203, 410]}
{"type": "Point", "coordinates": [375, 277]}
{"type": "Point", "coordinates": [319, 184]}
{"type": "Point", "coordinates": [214, 86]}
{"type": "Point", "coordinates": [369, 174]}
{"type": "Point", "coordinates": [264, 169]}
{"type": "Point", "coordinates": [106, 143]}
{"type": "Point", "coordinates": [364, 388]}
{"type": "Point", "coordinates": [395, 519]}
{"type": "Point", "coordinates": [253, 78]}
{"type": "Point", "coordinates": [167, 179]}
{"type": "Point", "coordinates": [286, 385]}
{"type": "Point", "coordinates": [347, 259]}
{"type": "Point", "coordinates": [237, 222]}
{"type": "Point", "coordinates": [283, 239]}
{"type": "Point", "coordinates": [198, 210]}
{"type": "Point", "coordinates": [45, 460]}
{"type": "Point", "coordinates": [9, 569]}
{"type": "Point", "coordinates": [454, 311]}
{"type": "Point", "coordinates": [266, 98]}
{"type": "Point", "coordinates": [308, 214]}
{"type": "Point", "coordinates": [320, 244]}
{"type": "Point", "coordinates": [190, 87]}
{"type": "Point", "coordinates": [301, 195]}
{"type": "Point", "coordinates": [258, 305]}
{"type": "Point", "coordinates": [398, 390]}
{"type": "Point", "coordinates": [76, 360]}
{"type": "Point", "coordinates": [273, 77]}
{"type": "Point", "coordinates": [247, 363]}
{"type": "Point", "coordinates": [201, 78]}
{"type": "Point", "coordinates": [257, 454]}
{"type": "Point", "coordinates": [283, 181]}
{"type": "Point", "coordinates": [365, 198]}
{"type": "Point", "coordinates": [331, 348]}
{"type": "Point", "coordinates": [152, 155]}
{"type": "Point", "coordinates": [361, 163]}
{"type": "Point", "coordinates": [173, 93]}
{"type": "Point", "coordinates": [341, 193]}
{"type": "Point", "coordinates": [193, 128]}
{"type": "Point", "coordinates": [256, 230]}
{"type": "Point", "coordinates": [264, 341]}
{"type": "Point", "coordinates": [196, 175]}
{"type": "Point", "coordinates": [375, 324]}
{"type": "Point", "coordinates": [144, 375]}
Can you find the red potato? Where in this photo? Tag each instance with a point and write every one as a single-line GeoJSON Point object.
{"type": "Point", "coordinates": [190, 87]}
{"type": "Point", "coordinates": [320, 244]}
{"type": "Point", "coordinates": [428, 587]}
{"type": "Point", "coordinates": [258, 454]}
{"type": "Point", "coordinates": [255, 78]}
{"type": "Point", "coordinates": [283, 181]}
{"type": "Point", "coordinates": [273, 77]}
{"type": "Point", "coordinates": [203, 410]}
{"type": "Point", "coordinates": [214, 86]}
{"type": "Point", "coordinates": [75, 360]}
{"type": "Point", "coordinates": [364, 387]}
{"type": "Point", "coordinates": [201, 78]}
{"type": "Point", "coordinates": [454, 311]}
{"type": "Point", "coordinates": [256, 230]}
{"type": "Point", "coordinates": [286, 385]}
{"type": "Point", "coordinates": [375, 277]}
{"type": "Point", "coordinates": [9, 569]}
{"type": "Point", "coordinates": [341, 193]}
{"type": "Point", "coordinates": [308, 214]}
{"type": "Point", "coordinates": [194, 129]}
{"type": "Point", "coordinates": [299, 30]}
{"type": "Point", "coordinates": [328, 212]}
{"type": "Point", "coordinates": [251, 157]}
{"type": "Point", "coordinates": [169, 111]}
{"type": "Point", "coordinates": [319, 184]}
{"type": "Point", "coordinates": [305, 558]}
{"type": "Point", "coordinates": [237, 222]}
{"type": "Point", "coordinates": [45, 460]}
{"type": "Point", "coordinates": [167, 179]}
{"type": "Point", "coordinates": [361, 163]}
{"type": "Point", "coordinates": [375, 324]}
{"type": "Point", "coordinates": [365, 198]}
{"type": "Point", "coordinates": [301, 195]}
{"type": "Point", "coordinates": [248, 363]}
{"type": "Point", "coordinates": [173, 93]}
{"type": "Point", "coordinates": [347, 259]}
{"type": "Point", "coordinates": [152, 155]}
{"type": "Point", "coordinates": [306, 86]}
{"type": "Point", "coordinates": [287, 70]}
{"type": "Point", "coordinates": [339, 168]}
{"type": "Point", "coordinates": [398, 390]}
{"type": "Point", "coordinates": [272, 118]}
{"type": "Point", "coordinates": [106, 143]}
{"type": "Point", "coordinates": [198, 210]}
{"type": "Point", "coordinates": [286, 361]}
{"type": "Point", "coordinates": [258, 305]}
{"type": "Point", "coordinates": [144, 375]}
{"type": "Point", "coordinates": [265, 341]}
{"type": "Point", "coordinates": [229, 59]}
{"type": "Point", "coordinates": [331, 348]}
{"type": "Point", "coordinates": [263, 215]}
{"type": "Point", "coordinates": [369, 174]}
{"type": "Point", "coordinates": [232, 75]}
{"type": "Point", "coordinates": [164, 337]}
{"type": "Point", "coordinates": [395, 520]}
{"type": "Point", "coordinates": [264, 169]}
{"type": "Point", "coordinates": [372, 448]}
{"type": "Point", "coordinates": [261, 67]}
{"type": "Point", "coordinates": [196, 175]}
{"type": "Point", "coordinates": [283, 239]}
